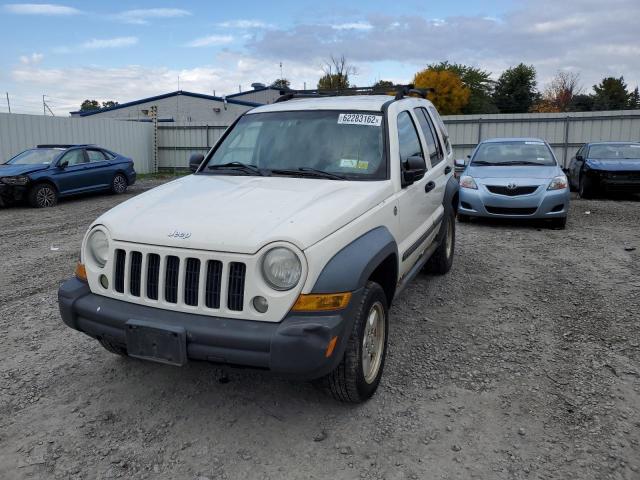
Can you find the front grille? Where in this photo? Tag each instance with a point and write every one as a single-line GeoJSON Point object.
{"type": "Point", "coordinates": [510, 211]}
{"type": "Point", "coordinates": [179, 281]}
{"type": "Point", "coordinates": [512, 192]}
{"type": "Point", "coordinates": [236, 286]}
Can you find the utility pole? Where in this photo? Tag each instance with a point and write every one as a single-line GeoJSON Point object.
{"type": "Point", "coordinates": [8, 104]}
{"type": "Point", "coordinates": [44, 106]}
{"type": "Point", "coordinates": [281, 76]}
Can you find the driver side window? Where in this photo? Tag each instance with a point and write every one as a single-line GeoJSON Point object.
{"type": "Point", "coordinates": [408, 139]}
{"type": "Point", "coordinates": [74, 157]}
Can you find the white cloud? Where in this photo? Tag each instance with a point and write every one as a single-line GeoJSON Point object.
{"type": "Point", "coordinates": [117, 42]}
{"type": "Point", "coordinates": [142, 16]}
{"type": "Point", "coordinates": [32, 59]}
{"type": "Point", "coordinates": [40, 9]}
{"type": "Point", "coordinates": [353, 26]}
{"type": "Point", "coordinates": [210, 41]}
{"type": "Point", "coordinates": [244, 24]}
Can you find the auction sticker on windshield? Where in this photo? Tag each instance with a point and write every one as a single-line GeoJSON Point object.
{"type": "Point", "coordinates": [359, 119]}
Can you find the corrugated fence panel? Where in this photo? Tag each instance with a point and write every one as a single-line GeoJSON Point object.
{"type": "Point", "coordinates": [176, 142]}
{"type": "Point", "coordinates": [132, 139]}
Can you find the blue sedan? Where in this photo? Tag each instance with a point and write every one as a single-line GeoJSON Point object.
{"type": "Point", "coordinates": [605, 166]}
{"type": "Point", "coordinates": [514, 178]}
{"type": "Point", "coordinates": [43, 174]}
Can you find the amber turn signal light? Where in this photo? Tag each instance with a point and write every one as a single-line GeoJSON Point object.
{"type": "Point", "coordinates": [81, 272]}
{"type": "Point", "coordinates": [322, 302]}
{"type": "Point", "coordinates": [331, 347]}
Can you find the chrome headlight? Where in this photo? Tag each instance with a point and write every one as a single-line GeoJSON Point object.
{"type": "Point", "coordinates": [467, 181]}
{"type": "Point", "coordinates": [98, 247]}
{"type": "Point", "coordinates": [558, 183]}
{"type": "Point", "coordinates": [281, 268]}
{"type": "Point", "coordinates": [17, 180]}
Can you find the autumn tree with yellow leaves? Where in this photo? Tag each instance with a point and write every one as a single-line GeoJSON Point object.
{"type": "Point", "coordinates": [450, 94]}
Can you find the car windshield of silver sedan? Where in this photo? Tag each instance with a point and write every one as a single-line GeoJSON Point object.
{"type": "Point", "coordinates": [40, 156]}
{"type": "Point", "coordinates": [630, 151]}
{"type": "Point", "coordinates": [513, 153]}
{"type": "Point", "coordinates": [335, 145]}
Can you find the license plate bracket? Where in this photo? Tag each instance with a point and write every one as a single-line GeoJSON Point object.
{"type": "Point", "coordinates": [157, 343]}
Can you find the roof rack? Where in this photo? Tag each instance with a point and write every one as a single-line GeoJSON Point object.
{"type": "Point", "coordinates": [399, 92]}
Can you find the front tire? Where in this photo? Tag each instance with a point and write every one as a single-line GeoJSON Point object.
{"type": "Point", "coordinates": [43, 195]}
{"type": "Point", "coordinates": [559, 223]}
{"type": "Point", "coordinates": [119, 184]}
{"type": "Point", "coordinates": [357, 376]}
{"type": "Point", "coordinates": [442, 259]}
{"type": "Point", "coordinates": [586, 189]}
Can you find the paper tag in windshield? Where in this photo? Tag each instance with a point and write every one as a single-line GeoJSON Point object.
{"type": "Point", "coordinates": [534, 143]}
{"type": "Point", "coordinates": [359, 119]}
{"type": "Point", "coordinates": [634, 146]}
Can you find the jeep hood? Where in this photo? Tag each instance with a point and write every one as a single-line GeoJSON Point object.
{"type": "Point", "coordinates": [8, 170]}
{"type": "Point", "coordinates": [242, 213]}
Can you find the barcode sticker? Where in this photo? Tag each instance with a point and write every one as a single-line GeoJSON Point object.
{"type": "Point", "coordinates": [359, 119]}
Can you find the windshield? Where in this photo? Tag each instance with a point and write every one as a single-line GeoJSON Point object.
{"type": "Point", "coordinates": [44, 156]}
{"type": "Point", "coordinates": [324, 144]}
{"type": "Point", "coordinates": [513, 153]}
{"type": "Point", "coordinates": [615, 151]}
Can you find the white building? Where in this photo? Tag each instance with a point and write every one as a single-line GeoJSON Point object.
{"type": "Point", "coordinates": [179, 106]}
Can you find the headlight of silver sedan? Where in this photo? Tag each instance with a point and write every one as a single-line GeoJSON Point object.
{"type": "Point", "coordinates": [98, 247]}
{"type": "Point", "coordinates": [558, 183]}
{"type": "Point", "coordinates": [281, 268]}
{"type": "Point", "coordinates": [17, 180]}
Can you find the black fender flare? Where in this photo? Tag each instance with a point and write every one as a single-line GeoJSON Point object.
{"type": "Point", "coordinates": [350, 268]}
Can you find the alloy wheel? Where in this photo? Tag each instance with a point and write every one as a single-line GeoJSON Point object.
{"type": "Point", "coordinates": [373, 342]}
{"type": "Point", "coordinates": [46, 197]}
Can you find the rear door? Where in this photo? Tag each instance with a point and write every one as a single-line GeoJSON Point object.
{"type": "Point", "coordinates": [444, 165]}
{"type": "Point", "coordinates": [73, 178]}
{"type": "Point", "coordinates": [100, 169]}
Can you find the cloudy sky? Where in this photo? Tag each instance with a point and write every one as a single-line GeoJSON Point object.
{"type": "Point", "coordinates": [126, 50]}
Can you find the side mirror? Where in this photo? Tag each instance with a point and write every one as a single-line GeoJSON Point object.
{"type": "Point", "coordinates": [64, 164]}
{"type": "Point", "coordinates": [580, 158]}
{"type": "Point", "coordinates": [468, 156]}
{"type": "Point", "coordinates": [460, 163]}
{"type": "Point", "coordinates": [195, 160]}
{"type": "Point", "coordinates": [413, 169]}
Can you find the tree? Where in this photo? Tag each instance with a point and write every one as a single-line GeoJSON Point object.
{"type": "Point", "coordinates": [558, 96]}
{"type": "Point", "coordinates": [634, 99]}
{"type": "Point", "coordinates": [89, 105]}
{"type": "Point", "coordinates": [281, 83]}
{"type": "Point", "coordinates": [109, 104]}
{"type": "Point", "coordinates": [479, 83]}
{"type": "Point", "coordinates": [515, 90]}
{"type": "Point", "coordinates": [381, 84]}
{"type": "Point", "coordinates": [450, 94]}
{"type": "Point", "coordinates": [581, 103]}
{"type": "Point", "coordinates": [336, 74]}
{"type": "Point", "coordinates": [611, 94]}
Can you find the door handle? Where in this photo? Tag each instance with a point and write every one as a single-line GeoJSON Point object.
{"type": "Point", "coordinates": [429, 186]}
{"type": "Point", "coordinates": [447, 170]}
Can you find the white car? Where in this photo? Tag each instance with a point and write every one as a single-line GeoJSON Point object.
{"type": "Point", "coordinates": [284, 249]}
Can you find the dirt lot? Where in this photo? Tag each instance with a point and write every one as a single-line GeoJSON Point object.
{"type": "Point", "coordinates": [523, 362]}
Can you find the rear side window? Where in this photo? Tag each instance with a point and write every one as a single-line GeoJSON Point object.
{"type": "Point", "coordinates": [428, 129]}
{"type": "Point", "coordinates": [96, 156]}
{"type": "Point", "coordinates": [441, 126]}
{"type": "Point", "coordinates": [408, 138]}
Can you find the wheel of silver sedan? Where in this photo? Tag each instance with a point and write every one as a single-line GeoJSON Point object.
{"type": "Point", "coordinates": [373, 342]}
{"type": "Point", "coordinates": [119, 184]}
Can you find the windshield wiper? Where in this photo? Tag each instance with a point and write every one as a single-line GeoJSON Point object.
{"type": "Point", "coordinates": [482, 162]}
{"type": "Point", "coordinates": [310, 172]}
{"type": "Point", "coordinates": [522, 162]}
{"type": "Point", "coordinates": [239, 166]}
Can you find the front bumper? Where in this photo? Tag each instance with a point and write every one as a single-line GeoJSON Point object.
{"type": "Point", "coordinates": [538, 205]}
{"type": "Point", "coordinates": [616, 181]}
{"type": "Point", "coordinates": [294, 347]}
{"type": "Point", "coordinates": [11, 193]}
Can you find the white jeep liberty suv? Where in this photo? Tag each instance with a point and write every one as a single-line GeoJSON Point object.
{"type": "Point", "coordinates": [284, 249]}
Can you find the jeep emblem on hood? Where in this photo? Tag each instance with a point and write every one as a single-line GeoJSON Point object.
{"type": "Point", "coordinates": [180, 235]}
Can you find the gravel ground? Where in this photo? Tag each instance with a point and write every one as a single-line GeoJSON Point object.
{"type": "Point", "coordinates": [522, 362]}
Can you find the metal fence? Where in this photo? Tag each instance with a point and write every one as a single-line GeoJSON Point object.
{"type": "Point", "coordinates": [133, 139]}
{"type": "Point", "coordinates": [175, 142]}
{"type": "Point", "coordinates": [566, 132]}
